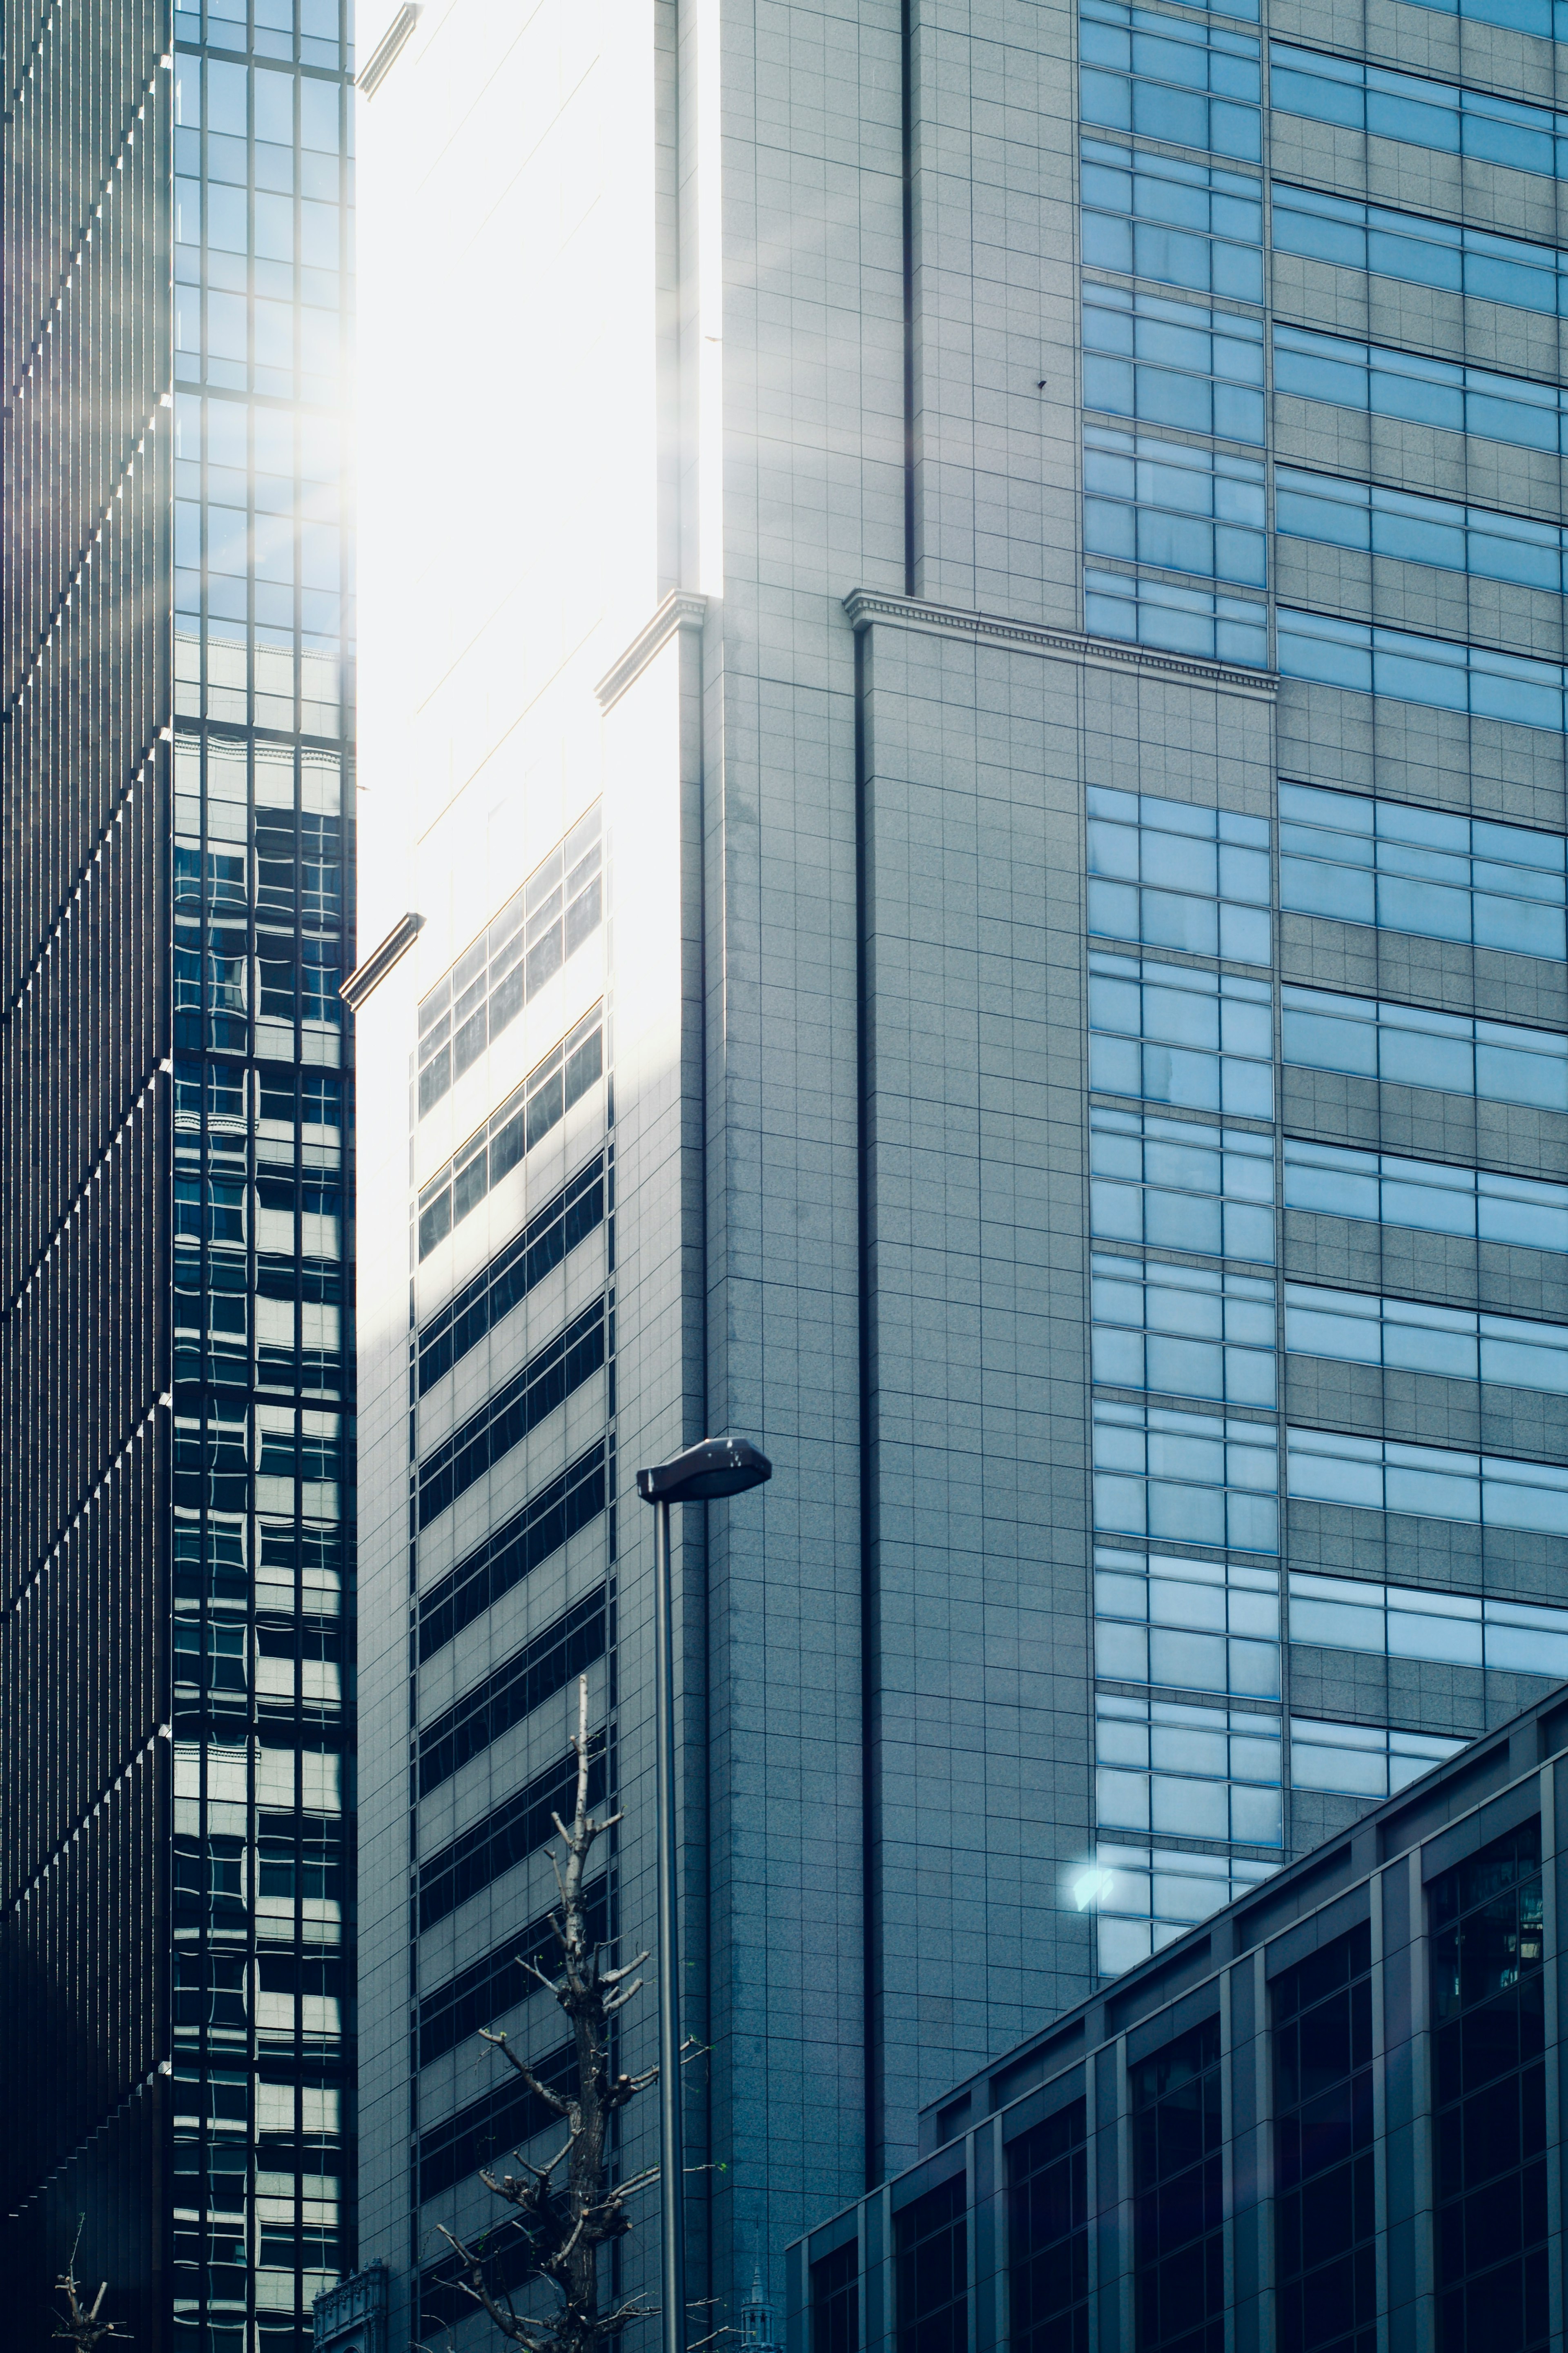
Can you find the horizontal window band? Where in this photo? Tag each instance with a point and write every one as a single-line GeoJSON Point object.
{"type": "Point", "coordinates": [543, 1385]}
{"type": "Point", "coordinates": [508, 1835]}
{"type": "Point", "coordinates": [576, 1212]}
{"type": "Point", "coordinates": [540, 1529]}
{"type": "Point", "coordinates": [489, 2127]}
{"type": "Point", "coordinates": [575, 1641]}
{"type": "Point", "coordinates": [483, 1992]}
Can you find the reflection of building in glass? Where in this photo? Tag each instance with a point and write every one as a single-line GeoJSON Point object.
{"type": "Point", "coordinates": [1319, 2120]}
{"type": "Point", "coordinates": [183, 1574]}
{"type": "Point", "coordinates": [981, 748]}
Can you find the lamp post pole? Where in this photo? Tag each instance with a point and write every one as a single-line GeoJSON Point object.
{"type": "Point", "coordinates": [717, 1466]}
{"type": "Point", "coordinates": [673, 2202]}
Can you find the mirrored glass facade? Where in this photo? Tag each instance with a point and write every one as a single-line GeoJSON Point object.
{"type": "Point", "coordinates": [218, 146]}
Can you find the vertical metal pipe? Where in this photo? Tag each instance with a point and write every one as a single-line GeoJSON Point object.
{"type": "Point", "coordinates": [673, 2203]}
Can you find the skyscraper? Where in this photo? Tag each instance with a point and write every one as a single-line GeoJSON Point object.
{"type": "Point", "coordinates": [173, 1162]}
{"type": "Point", "coordinates": [1028, 544]}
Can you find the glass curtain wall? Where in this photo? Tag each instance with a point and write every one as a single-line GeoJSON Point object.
{"type": "Point", "coordinates": [262, 916]}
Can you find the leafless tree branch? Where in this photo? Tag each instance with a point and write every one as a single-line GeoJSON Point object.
{"type": "Point", "coordinates": [567, 2222]}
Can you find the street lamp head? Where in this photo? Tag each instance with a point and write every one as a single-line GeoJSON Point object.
{"type": "Point", "coordinates": [715, 1467]}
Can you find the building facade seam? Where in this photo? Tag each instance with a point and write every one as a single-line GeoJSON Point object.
{"type": "Point", "coordinates": [62, 916]}
{"type": "Point", "coordinates": [79, 1196]}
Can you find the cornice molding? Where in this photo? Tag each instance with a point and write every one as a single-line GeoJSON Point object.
{"type": "Point", "coordinates": [380, 961]}
{"type": "Point", "coordinates": [865, 605]}
{"type": "Point", "coordinates": [682, 608]}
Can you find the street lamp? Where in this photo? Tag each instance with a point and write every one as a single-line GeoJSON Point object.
{"type": "Point", "coordinates": [715, 1467]}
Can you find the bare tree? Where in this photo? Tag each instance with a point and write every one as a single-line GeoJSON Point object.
{"type": "Point", "coordinates": [79, 2324]}
{"type": "Point", "coordinates": [565, 2223]}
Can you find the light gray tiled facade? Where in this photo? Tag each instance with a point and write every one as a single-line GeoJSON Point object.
{"type": "Point", "coordinates": [878, 671]}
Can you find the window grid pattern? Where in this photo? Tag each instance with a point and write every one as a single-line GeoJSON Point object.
{"type": "Point", "coordinates": [1411, 1335]}
{"type": "Point", "coordinates": [1175, 876]}
{"type": "Point", "coordinates": [1429, 1481]}
{"type": "Point", "coordinates": [1448, 255]}
{"type": "Point", "coordinates": [1187, 1331]}
{"type": "Point", "coordinates": [930, 2254]}
{"type": "Point", "coordinates": [1372, 519]}
{"type": "Point", "coordinates": [1422, 871]}
{"type": "Point", "coordinates": [1165, 78]}
{"type": "Point", "coordinates": [1407, 1622]}
{"type": "Point", "coordinates": [835, 2301]}
{"type": "Point", "coordinates": [1170, 1183]}
{"type": "Point", "coordinates": [1179, 2196]}
{"type": "Point", "coordinates": [1440, 115]}
{"type": "Point", "coordinates": [1164, 503]}
{"type": "Point", "coordinates": [1362, 1760]}
{"type": "Point", "coordinates": [1489, 2082]}
{"type": "Point", "coordinates": [263, 1848]}
{"type": "Point", "coordinates": [1327, 2203]}
{"type": "Point", "coordinates": [1188, 1624]}
{"type": "Point", "coordinates": [1048, 2235]}
{"type": "Point", "coordinates": [1447, 393]}
{"type": "Point", "coordinates": [1171, 1033]}
{"type": "Point", "coordinates": [1427, 1196]}
{"type": "Point", "coordinates": [524, 1119]}
{"type": "Point", "coordinates": [1173, 1768]}
{"type": "Point", "coordinates": [1441, 672]}
{"type": "Point", "coordinates": [1170, 363]}
{"type": "Point", "coordinates": [1194, 225]}
{"type": "Point", "coordinates": [537, 931]}
{"type": "Point", "coordinates": [1188, 1478]}
{"type": "Point", "coordinates": [1496, 1060]}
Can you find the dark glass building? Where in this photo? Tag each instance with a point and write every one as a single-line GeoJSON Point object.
{"type": "Point", "coordinates": [174, 1119]}
{"type": "Point", "coordinates": [1328, 2121]}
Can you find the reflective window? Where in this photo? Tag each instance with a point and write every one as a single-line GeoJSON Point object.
{"type": "Point", "coordinates": [1422, 391]}
{"type": "Point", "coordinates": [523, 1120]}
{"type": "Point", "coordinates": [1326, 2188]}
{"type": "Point", "coordinates": [1194, 85]}
{"type": "Point", "coordinates": [1177, 1186]}
{"type": "Point", "coordinates": [835, 2300]}
{"type": "Point", "coordinates": [1145, 1896]}
{"type": "Point", "coordinates": [1425, 1194]}
{"type": "Point", "coordinates": [1176, 876]}
{"type": "Point", "coordinates": [1152, 501]}
{"type": "Point", "coordinates": [1439, 114]}
{"type": "Point", "coordinates": [1361, 1760]}
{"type": "Point", "coordinates": [1189, 1331]}
{"type": "Point", "coordinates": [1182, 620]}
{"type": "Point", "coordinates": [1178, 2129]}
{"type": "Point", "coordinates": [1191, 225]}
{"type": "Point", "coordinates": [1419, 531]}
{"type": "Point", "coordinates": [538, 1389]}
{"type": "Point", "coordinates": [1437, 1483]}
{"type": "Point", "coordinates": [930, 2245]}
{"type": "Point", "coordinates": [1486, 1924]}
{"type": "Point", "coordinates": [1493, 1060]}
{"type": "Point", "coordinates": [1409, 1621]}
{"type": "Point", "coordinates": [1170, 363]}
{"type": "Point", "coordinates": [1360, 1328]}
{"type": "Point", "coordinates": [549, 1235]}
{"type": "Point", "coordinates": [1201, 1772]}
{"type": "Point", "coordinates": [559, 907]}
{"type": "Point", "coordinates": [1202, 1040]}
{"type": "Point", "coordinates": [1193, 1625]}
{"type": "Point", "coordinates": [1548, 19]}
{"type": "Point", "coordinates": [1421, 251]}
{"type": "Point", "coordinates": [1188, 1478]}
{"type": "Point", "coordinates": [1422, 871]}
{"type": "Point", "coordinates": [1438, 672]}
{"type": "Point", "coordinates": [1047, 2237]}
